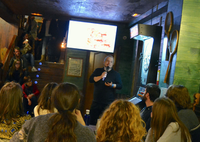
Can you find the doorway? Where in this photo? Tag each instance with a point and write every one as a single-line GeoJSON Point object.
{"type": "Point", "coordinates": [96, 60]}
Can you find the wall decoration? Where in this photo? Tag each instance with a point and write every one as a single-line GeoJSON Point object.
{"type": "Point", "coordinates": [173, 49]}
{"type": "Point", "coordinates": [75, 67]}
{"type": "Point", "coordinates": [168, 28]}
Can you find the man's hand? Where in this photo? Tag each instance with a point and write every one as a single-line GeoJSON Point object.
{"type": "Point", "coordinates": [104, 74]}
{"type": "Point", "coordinates": [108, 84]}
{"type": "Point", "coordinates": [97, 78]}
{"type": "Point", "coordinates": [25, 41]}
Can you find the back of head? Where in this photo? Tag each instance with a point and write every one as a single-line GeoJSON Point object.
{"type": "Point", "coordinates": [65, 97]}
{"type": "Point", "coordinates": [121, 122]}
{"type": "Point", "coordinates": [27, 79]}
{"type": "Point", "coordinates": [44, 101]}
{"type": "Point", "coordinates": [11, 102]}
{"type": "Point", "coordinates": [180, 96]}
{"type": "Point", "coordinates": [153, 90]}
{"type": "Point", "coordinates": [163, 113]}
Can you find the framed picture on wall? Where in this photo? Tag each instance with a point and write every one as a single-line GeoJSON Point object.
{"type": "Point", "coordinates": [75, 67]}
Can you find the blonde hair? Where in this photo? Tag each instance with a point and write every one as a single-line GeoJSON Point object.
{"type": "Point", "coordinates": [121, 122]}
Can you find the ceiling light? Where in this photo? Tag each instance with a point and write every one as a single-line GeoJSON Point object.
{"type": "Point", "coordinates": [36, 14]}
{"type": "Point", "coordinates": [136, 15]}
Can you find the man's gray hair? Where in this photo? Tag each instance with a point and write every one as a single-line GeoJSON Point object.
{"type": "Point", "coordinates": [109, 56]}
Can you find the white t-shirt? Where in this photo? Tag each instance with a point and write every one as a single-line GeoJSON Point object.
{"type": "Point", "coordinates": [42, 111]}
{"type": "Point", "coordinates": [170, 134]}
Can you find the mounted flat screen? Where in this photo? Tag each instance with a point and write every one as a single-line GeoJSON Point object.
{"type": "Point", "coordinates": [91, 36]}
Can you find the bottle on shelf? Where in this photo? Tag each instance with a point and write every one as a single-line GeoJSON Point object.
{"type": "Point", "coordinates": [87, 117]}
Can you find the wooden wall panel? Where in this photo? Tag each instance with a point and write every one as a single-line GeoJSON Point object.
{"type": "Point", "coordinates": [7, 31]}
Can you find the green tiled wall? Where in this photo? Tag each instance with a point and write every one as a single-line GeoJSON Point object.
{"type": "Point", "coordinates": [187, 69]}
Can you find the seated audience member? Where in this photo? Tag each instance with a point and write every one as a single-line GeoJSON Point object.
{"type": "Point", "coordinates": [27, 52]}
{"type": "Point", "coordinates": [121, 122]}
{"type": "Point", "coordinates": [65, 125]}
{"type": "Point", "coordinates": [16, 73]}
{"type": "Point", "coordinates": [11, 111]}
{"type": "Point", "coordinates": [17, 55]}
{"type": "Point", "coordinates": [44, 102]}
{"type": "Point", "coordinates": [180, 96]}
{"type": "Point", "coordinates": [30, 93]}
{"type": "Point", "coordinates": [196, 104]}
{"type": "Point", "coordinates": [152, 92]}
{"type": "Point", "coordinates": [165, 123]}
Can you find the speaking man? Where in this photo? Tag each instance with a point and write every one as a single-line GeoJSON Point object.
{"type": "Point", "coordinates": [106, 81]}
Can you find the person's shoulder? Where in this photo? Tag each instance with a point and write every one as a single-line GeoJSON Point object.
{"type": "Point", "coordinates": [35, 110]}
{"type": "Point", "coordinates": [114, 71]}
{"type": "Point", "coordinates": [149, 108]}
{"type": "Point", "coordinates": [84, 129]}
{"type": "Point", "coordinates": [40, 119]}
{"type": "Point", "coordinates": [84, 133]}
{"type": "Point", "coordinates": [186, 112]}
{"type": "Point", "coordinates": [173, 125]}
{"type": "Point", "coordinates": [23, 85]}
{"type": "Point", "coordinates": [99, 69]}
{"type": "Point", "coordinates": [13, 58]}
{"type": "Point", "coordinates": [25, 117]}
{"type": "Point", "coordinates": [171, 133]}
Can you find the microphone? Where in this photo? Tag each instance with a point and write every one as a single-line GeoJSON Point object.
{"type": "Point", "coordinates": [107, 68]}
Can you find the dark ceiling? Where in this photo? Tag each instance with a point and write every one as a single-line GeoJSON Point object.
{"type": "Point", "coordinates": [105, 10]}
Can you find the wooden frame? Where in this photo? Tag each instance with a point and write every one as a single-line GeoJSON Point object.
{"type": "Point", "coordinates": [75, 67]}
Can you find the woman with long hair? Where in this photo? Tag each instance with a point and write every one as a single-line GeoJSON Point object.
{"type": "Point", "coordinates": [11, 111]}
{"type": "Point", "coordinates": [44, 102]}
{"type": "Point", "coordinates": [121, 122]}
{"type": "Point", "coordinates": [181, 98]}
{"type": "Point", "coordinates": [165, 123]}
{"type": "Point", "coordinates": [16, 72]}
{"type": "Point", "coordinates": [65, 125]}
